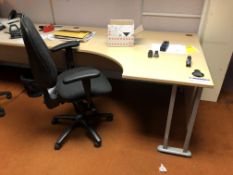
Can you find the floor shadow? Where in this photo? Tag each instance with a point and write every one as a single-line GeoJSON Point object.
{"type": "Point", "coordinates": [148, 105]}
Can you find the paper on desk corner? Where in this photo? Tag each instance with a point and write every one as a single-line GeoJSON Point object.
{"type": "Point", "coordinates": [172, 48]}
{"type": "Point", "coordinates": [138, 30]}
{"type": "Point", "coordinates": [89, 37]}
{"type": "Point", "coordinates": [48, 36]}
{"type": "Point", "coordinates": [155, 46]}
{"type": "Point", "coordinates": [44, 36]}
{"type": "Point", "coordinates": [162, 168]}
{"type": "Point", "coordinates": [176, 49]}
{"type": "Point", "coordinates": [52, 37]}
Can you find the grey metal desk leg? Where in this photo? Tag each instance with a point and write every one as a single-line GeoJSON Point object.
{"type": "Point", "coordinates": [169, 116]}
{"type": "Point", "coordinates": [178, 151]}
{"type": "Point", "coordinates": [164, 147]}
{"type": "Point", "coordinates": [192, 118]}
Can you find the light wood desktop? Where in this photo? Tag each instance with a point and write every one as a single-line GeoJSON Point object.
{"type": "Point", "coordinates": [168, 68]}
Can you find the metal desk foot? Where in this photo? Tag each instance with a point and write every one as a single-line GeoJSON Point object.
{"type": "Point", "coordinates": [175, 151]}
{"type": "Point", "coordinates": [178, 151]}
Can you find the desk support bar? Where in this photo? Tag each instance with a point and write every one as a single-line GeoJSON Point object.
{"type": "Point", "coordinates": [192, 118]}
{"type": "Point", "coordinates": [178, 151]}
{"type": "Point", "coordinates": [169, 116]}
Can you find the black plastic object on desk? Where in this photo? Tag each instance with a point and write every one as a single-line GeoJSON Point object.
{"type": "Point", "coordinates": [197, 73]}
{"type": "Point", "coordinates": [15, 31]}
{"type": "Point", "coordinates": [164, 46]}
{"type": "Point", "coordinates": [156, 55]}
{"type": "Point", "coordinates": [189, 61]}
{"type": "Point", "coordinates": [14, 14]}
{"type": "Point", "coordinates": [150, 53]}
{"type": "Point", "coordinates": [2, 26]}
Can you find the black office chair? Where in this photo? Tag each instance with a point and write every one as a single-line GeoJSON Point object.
{"type": "Point", "coordinates": [75, 85]}
{"type": "Point", "coordinates": [8, 95]}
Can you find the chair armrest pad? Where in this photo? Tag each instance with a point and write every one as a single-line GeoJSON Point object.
{"type": "Point", "coordinates": [81, 75]}
{"type": "Point", "coordinates": [65, 45]}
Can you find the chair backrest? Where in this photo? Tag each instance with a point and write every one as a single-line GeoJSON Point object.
{"type": "Point", "coordinates": [41, 63]}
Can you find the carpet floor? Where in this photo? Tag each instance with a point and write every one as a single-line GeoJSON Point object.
{"type": "Point", "coordinates": [129, 142]}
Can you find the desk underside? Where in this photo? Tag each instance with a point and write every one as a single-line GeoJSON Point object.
{"type": "Point", "coordinates": [17, 56]}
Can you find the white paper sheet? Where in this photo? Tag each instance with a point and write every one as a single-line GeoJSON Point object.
{"type": "Point", "coordinates": [172, 48]}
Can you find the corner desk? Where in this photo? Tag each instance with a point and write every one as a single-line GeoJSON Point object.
{"type": "Point", "coordinates": [168, 68]}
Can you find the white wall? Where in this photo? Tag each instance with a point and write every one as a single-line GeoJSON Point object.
{"type": "Point", "coordinates": [217, 43]}
{"type": "Point", "coordinates": [99, 12]}
{"type": "Point", "coordinates": [39, 11]}
{"type": "Point", "coordinates": [95, 12]}
{"type": "Point", "coordinates": [160, 8]}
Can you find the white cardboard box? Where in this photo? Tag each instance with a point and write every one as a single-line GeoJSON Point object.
{"type": "Point", "coordinates": [121, 32]}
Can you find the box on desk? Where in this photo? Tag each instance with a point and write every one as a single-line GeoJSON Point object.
{"type": "Point", "coordinates": [121, 32]}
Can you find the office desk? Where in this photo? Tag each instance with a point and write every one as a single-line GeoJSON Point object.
{"type": "Point", "coordinates": [168, 69]}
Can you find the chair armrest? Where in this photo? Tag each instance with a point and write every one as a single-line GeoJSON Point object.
{"type": "Point", "coordinates": [65, 45]}
{"type": "Point", "coordinates": [81, 75]}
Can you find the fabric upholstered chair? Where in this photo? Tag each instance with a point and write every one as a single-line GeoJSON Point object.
{"type": "Point", "coordinates": [75, 85]}
{"type": "Point", "coordinates": [8, 96]}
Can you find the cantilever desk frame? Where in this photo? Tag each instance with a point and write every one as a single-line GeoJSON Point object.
{"type": "Point", "coordinates": [167, 69]}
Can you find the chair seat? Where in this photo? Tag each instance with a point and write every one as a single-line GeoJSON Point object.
{"type": "Point", "coordinates": [75, 90]}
